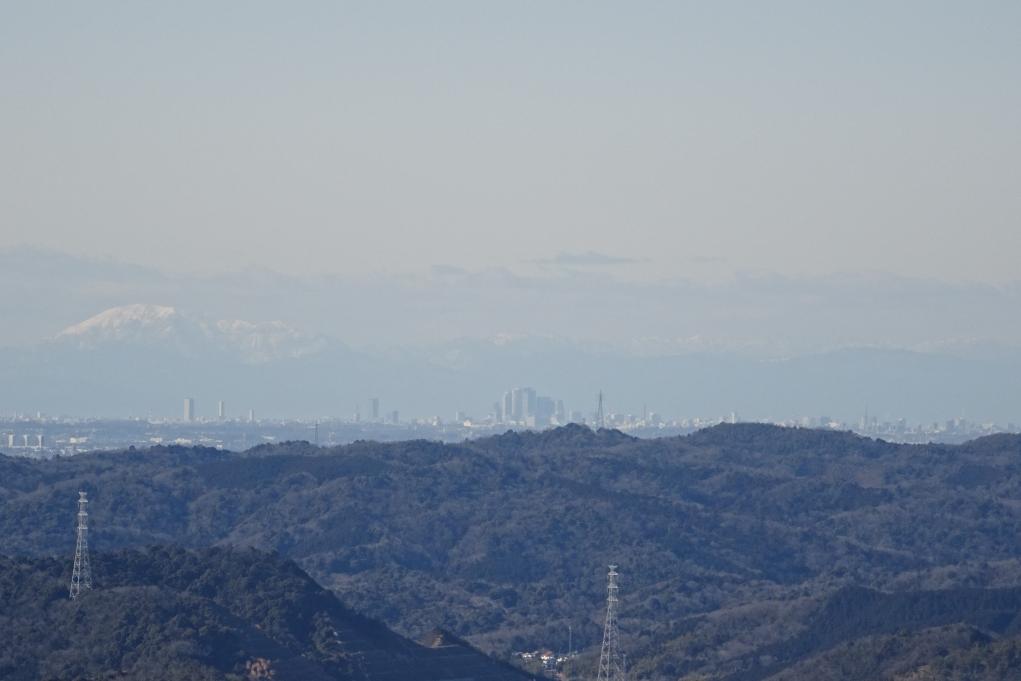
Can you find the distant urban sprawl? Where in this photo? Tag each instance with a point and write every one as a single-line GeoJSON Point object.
{"type": "Point", "coordinates": [40, 435]}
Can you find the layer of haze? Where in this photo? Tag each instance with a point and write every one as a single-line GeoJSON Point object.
{"type": "Point", "coordinates": [682, 139]}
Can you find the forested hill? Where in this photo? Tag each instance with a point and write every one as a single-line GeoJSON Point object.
{"type": "Point", "coordinates": [731, 541]}
{"type": "Point", "coordinates": [165, 614]}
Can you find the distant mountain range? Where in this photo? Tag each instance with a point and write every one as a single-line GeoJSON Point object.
{"type": "Point", "coordinates": [136, 340]}
{"type": "Point", "coordinates": [142, 359]}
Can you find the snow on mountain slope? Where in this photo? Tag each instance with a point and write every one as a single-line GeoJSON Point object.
{"type": "Point", "coordinates": [166, 327]}
{"type": "Point", "coordinates": [126, 322]}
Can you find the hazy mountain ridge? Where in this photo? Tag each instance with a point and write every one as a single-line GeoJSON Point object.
{"type": "Point", "coordinates": [733, 541]}
{"type": "Point", "coordinates": [129, 364]}
{"type": "Point", "coordinates": [434, 343]}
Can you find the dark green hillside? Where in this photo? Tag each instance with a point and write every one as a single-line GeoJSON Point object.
{"type": "Point", "coordinates": [891, 656]}
{"type": "Point", "coordinates": [991, 662]}
{"type": "Point", "coordinates": [210, 614]}
{"type": "Point", "coordinates": [729, 540]}
{"type": "Point", "coordinates": [854, 613]}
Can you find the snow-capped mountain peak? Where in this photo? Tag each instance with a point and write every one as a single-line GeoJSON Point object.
{"type": "Point", "coordinates": [124, 320]}
{"type": "Point", "coordinates": [165, 327]}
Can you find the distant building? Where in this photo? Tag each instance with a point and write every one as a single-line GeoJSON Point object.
{"type": "Point", "coordinates": [517, 405]}
{"type": "Point", "coordinates": [189, 409]}
{"type": "Point", "coordinates": [506, 414]}
{"type": "Point", "coordinates": [251, 416]}
{"type": "Point", "coordinates": [522, 404]}
{"type": "Point", "coordinates": [395, 417]}
{"type": "Point", "coordinates": [545, 407]}
{"type": "Point", "coordinates": [528, 403]}
{"type": "Point", "coordinates": [221, 410]}
{"type": "Point", "coordinates": [375, 408]}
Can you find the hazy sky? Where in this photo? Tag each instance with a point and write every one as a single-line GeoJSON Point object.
{"type": "Point", "coordinates": [689, 138]}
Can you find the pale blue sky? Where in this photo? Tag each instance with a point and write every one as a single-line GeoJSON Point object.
{"type": "Point", "coordinates": [694, 139]}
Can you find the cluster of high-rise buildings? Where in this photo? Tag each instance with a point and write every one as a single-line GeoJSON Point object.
{"type": "Point", "coordinates": [524, 407]}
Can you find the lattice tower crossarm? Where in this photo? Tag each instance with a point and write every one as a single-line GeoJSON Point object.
{"type": "Point", "coordinates": [81, 575]}
{"type": "Point", "coordinates": [610, 665]}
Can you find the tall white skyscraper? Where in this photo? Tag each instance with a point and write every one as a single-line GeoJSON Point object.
{"type": "Point", "coordinates": [221, 410]}
{"type": "Point", "coordinates": [189, 409]}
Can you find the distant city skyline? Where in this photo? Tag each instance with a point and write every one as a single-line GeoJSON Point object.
{"type": "Point", "coordinates": [520, 408]}
{"type": "Point", "coordinates": [42, 436]}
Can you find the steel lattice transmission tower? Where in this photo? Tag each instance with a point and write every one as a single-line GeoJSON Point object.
{"type": "Point", "coordinates": [81, 575]}
{"type": "Point", "coordinates": [611, 667]}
